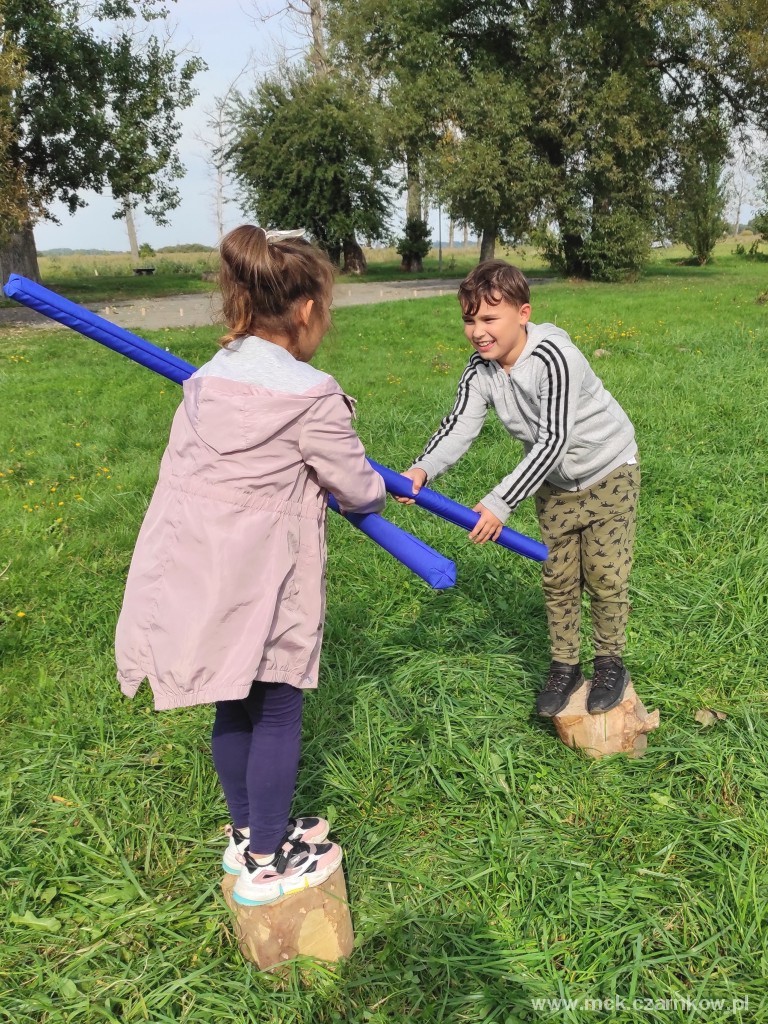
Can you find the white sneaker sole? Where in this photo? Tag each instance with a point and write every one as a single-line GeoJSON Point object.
{"type": "Point", "coordinates": [272, 893]}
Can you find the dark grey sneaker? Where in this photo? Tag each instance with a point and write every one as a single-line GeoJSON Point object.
{"type": "Point", "coordinates": [609, 681]}
{"type": "Point", "coordinates": [563, 681]}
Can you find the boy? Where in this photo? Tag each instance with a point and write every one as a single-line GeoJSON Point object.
{"type": "Point", "coordinates": [580, 463]}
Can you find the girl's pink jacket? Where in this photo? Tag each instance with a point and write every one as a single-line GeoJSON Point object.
{"type": "Point", "coordinates": [227, 581]}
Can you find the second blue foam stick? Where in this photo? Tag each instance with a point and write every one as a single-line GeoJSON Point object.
{"type": "Point", "coordinates": [457, 514]}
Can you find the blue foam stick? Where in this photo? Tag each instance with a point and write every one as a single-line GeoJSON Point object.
{"type": "Point", "coordinates": [458, 514]}
{"type": "Point", "coordinates": [93, 326]}
{"type": "Point", "coordinates": [439, 572]}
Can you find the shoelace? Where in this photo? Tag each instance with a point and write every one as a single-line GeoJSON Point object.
{"type": "Point", "coordinates": [558, 680]}
{"type": "Point", "coordinates": [609, 674]}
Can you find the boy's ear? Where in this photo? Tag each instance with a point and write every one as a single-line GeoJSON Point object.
{"type": "Point", "coordinates": [525, 313]}
{"type": "Point", "coordinates": [305, 311]}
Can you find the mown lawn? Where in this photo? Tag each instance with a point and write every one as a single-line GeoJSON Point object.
{"type": "Point", "coordinates": [490, 869]}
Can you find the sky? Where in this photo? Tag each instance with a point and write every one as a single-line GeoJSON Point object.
{"type": "Point", "coordinates": [229, 35]}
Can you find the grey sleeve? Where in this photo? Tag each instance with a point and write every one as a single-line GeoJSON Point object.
{"type": "Point", "coordinates": [561, 378]}
{"type": "Point", "coordinates": [459, 428]}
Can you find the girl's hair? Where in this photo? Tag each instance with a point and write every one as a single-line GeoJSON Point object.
{"type": "Point", "coordinates": [262, 282]}
{"type": "Point", "coordinates": [494, 281]}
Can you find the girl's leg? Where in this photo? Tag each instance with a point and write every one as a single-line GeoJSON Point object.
{"type": "Point", "coordinates": [275, 711]}
{"type": "Point", "coordinates": [231, 745]}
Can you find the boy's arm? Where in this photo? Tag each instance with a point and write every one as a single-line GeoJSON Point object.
{"type": "Point", "coordinates": [459, 428]}
{"type": "Point", "coordinates": [560, 379]}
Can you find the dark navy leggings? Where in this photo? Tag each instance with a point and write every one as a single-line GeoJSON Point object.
{"type": "Point", "coordinates": [256, 745]}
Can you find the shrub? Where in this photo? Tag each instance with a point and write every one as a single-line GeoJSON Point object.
{"type": "Point", "coordinates": [415, 245]}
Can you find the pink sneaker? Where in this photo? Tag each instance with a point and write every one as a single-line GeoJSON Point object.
{"type": "Point", "coordinates": [296, 865]}
{"type": "Point", "coordinates": [310, 830]}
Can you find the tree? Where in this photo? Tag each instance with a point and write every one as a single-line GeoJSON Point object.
{"type": "Point", "coordinates": [64, 125]}
{"type": "Point", "coordinates": [481, 165]}
{"type": "Point", "coordinates": [399, 53]}
{"type": "Point", "coordinates": [306, 154]}
{"type": "Point", "coordinates": [700, 194]}
{"type": "Point", "coordinates": [13, 198]}
{"type": "Point", "coordinates": [741, 181]}
{"type": "Point", "coordinates": [146, 89]}
{"type": "Point", "coordinates": [414, 245]}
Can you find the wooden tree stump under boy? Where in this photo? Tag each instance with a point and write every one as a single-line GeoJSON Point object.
{"type": "Point", "coordinates": [622, 730]}
{"type": "Point", "coordinates": [313, 922]}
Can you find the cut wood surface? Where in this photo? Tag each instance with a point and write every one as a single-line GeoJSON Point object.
{"type": "Point", "coordinates": [622, 730]}
{"type": "Point", "coordinates": [312, 922]}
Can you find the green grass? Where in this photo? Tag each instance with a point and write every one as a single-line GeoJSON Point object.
{"type": "Point", "coordinates": [488, 865]}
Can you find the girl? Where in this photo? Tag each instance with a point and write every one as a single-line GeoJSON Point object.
{"type": "Point", "coordinates": [225, 596]}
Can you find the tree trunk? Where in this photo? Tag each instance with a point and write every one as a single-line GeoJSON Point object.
{"type": "Point", "coordinates": [19, 255]}
{"type": "Point", "coordinates": [488, 242]}
{"type": "Point", "coordinates": [412, 264]}
{"type": "Point", "coordinates": [451, 232]}
{"type": "Point", "coordinates": [318, 56]}
{"type": "Point", "coordinates": [622, 730]}
{"type": "Point", "coordinates": [466, 235]}
{"type": "Point", "coordinates": [413, 194]}
{"type": "Point", "coordinates": [573, 255]}
{"type": "Point", "coordinates": [354, 257]}
{"type": "Point", "coordinates": [130, 224]}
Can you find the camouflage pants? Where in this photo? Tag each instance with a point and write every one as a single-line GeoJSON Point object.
{"type": "Point", "coordinates": [590, 535]}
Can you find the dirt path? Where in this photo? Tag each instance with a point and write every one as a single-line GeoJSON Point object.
{"type": "Point", "coordinates": [200, 310]}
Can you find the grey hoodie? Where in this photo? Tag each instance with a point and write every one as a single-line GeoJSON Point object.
{"type": "Point", "coordinates": [573, 431]}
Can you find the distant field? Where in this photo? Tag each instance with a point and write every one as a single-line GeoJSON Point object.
{"type": "Point", "coordinates": [101, 278]}
{"type": "Point", "coordinates": [495, 876]}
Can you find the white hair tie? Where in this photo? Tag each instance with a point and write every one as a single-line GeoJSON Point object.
{"type": "Point", "coordinates": [281, 236]}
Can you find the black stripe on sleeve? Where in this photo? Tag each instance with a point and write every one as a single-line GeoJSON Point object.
{"type": "Point", "coordinates": [462, 397]}
{"type": "Point", "coordinates": [558, 378]}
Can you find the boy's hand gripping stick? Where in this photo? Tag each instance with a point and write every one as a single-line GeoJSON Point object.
{"type": "Point", "coordinates": [458, 514]}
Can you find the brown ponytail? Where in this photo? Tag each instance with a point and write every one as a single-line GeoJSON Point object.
{"type": "Point", "coordinates": [263, 281]}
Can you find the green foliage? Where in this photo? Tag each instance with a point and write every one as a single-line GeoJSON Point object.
{"type": "Point", "coordinates": [700, 196]}
{"type": "Point", "coordinates": [306, 153]}
{"type": "Point", "coordinates": [13, 194]}
{"type": "Point", "coordinates": [93, 107]}
{"type": "Point", "coordinates": [147, 87]}
{"type": "Point", "coordinates": [487, 864]}
{"type": "Point", "coordinates": [482, 166]}
{"type": "Point", "coordinates": [759, 225]}
{"type": "Point", "coordinates": [145, 249]}
{"type": "Point", "coordinates": [616, 248]}
{"type": "Point", "coordinates": [557, 114]}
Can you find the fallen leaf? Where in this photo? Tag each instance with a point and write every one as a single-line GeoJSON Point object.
{"type": "Point", "coordinates": [28, 920]}
{"type": "Point", "coordinates": [708, 716]}
{"type": "Point", "coordinates": [62, 800]}
{"type": "Point", "coordinates": [664, 800]}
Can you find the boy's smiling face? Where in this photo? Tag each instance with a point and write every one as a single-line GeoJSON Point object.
{"type": "Point", "coordinates": [497, 330]}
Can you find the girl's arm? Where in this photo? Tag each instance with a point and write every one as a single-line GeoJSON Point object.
{"type": "Point", "coordinates": [330, 445]}
{"type": "Point", "coordinates": [459, 428]}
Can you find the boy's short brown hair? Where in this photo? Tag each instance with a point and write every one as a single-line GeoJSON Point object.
{"type": "Point", "coordinates": [494, 281]}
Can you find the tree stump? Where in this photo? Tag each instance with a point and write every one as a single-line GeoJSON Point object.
{"type": "Point", "coordinates": [622, 730]}
{"type": "Point", "coordinates": [312, 922]}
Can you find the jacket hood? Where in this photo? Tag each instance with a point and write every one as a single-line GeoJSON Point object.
{"type": "Point", "coordinates": [538, 333]}
{"type": "Point", "coordinates": [232, 416]}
